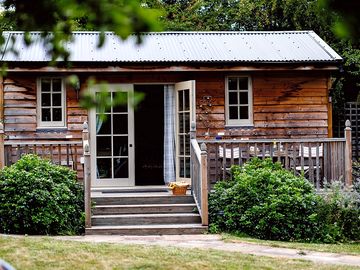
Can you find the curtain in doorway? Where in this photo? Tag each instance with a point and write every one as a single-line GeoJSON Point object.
{"type": "Point", "coordinates": [169, 133]}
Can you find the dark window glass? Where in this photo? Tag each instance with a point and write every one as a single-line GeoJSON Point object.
{"type": "Point", "coordinates": [233, 98]}
{"type": "Point", "coordinates": [120, 123]}
{"type": "Point", "coordinates": [181, 123]}
{"type": "Point", "coordinates": [103, 146]}
{"type": "Point", "coordinates": [120, 146]}
{"type": "Point", "coordinates": [243, 83]}
{"type": "Point", "coordinates": [182, 167]}
{"type": "Point", "coordinates": [45, 100]}
{"type": "Point", "coordinates": [233, 84]}
{"type": "Point", "coordinates": [56, 99]}
{"type": "Point", "coordinates": [45, 85]}
{"type": "Point", "coordinates": [187, 101]}
{"type": "Point", "coordinates": [187, 167]}
{"type": "Point", "coordinates": [187, 144]}
{"type": "Point", "coordinates": [57, 114]}
{"type": "Point", "coordinates": [121, 168]}
{"type": "Point", "coordinates": [103, 166]}
{"type": "Point", "coordinates": [181, 101]}
{"type": "Point", "coordinates": [121, 99]}
{"type": "Point", "coordinates": [244, 112]}
{"type": "Point", "coordinates": [244, 98]}
{"type": "Point", "coordinates": [187, 122]}
{"type": "Point", "coordinates": [233, 112]}
{"type": "Point", "coordinates": [45, 115]}
{"type": "Point", "coordinates": [56, 85]}
{"type": "Point", "coordinates": [103, 124]}
{"type": "Point", "coordinates": [101, 99]}
{"type": "Point", "coordinates": [182, 144]}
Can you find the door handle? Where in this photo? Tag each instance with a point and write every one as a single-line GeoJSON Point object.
{"type": "Point", "coordinates": [130, 145]}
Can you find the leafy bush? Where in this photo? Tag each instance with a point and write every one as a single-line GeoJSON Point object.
{"type": "Point", "coordinates": [38, 197]}
{"type": "Point", "coordinates": [265, 201]}
{"type": "Point", "coordinates": [268, 202]}
{"type": "Point", "coordinates": [338, 214]}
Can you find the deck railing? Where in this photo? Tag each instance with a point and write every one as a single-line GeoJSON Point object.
{"type": "Point", "coordinates": [199, 181]}
{"type": "Point", "coordinates": [321, 161]}
{"type": "Point", "coordinates": [66, 153]}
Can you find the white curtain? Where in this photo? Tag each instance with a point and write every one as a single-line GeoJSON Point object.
{"type": "Point", "coordinates": [169, 133]}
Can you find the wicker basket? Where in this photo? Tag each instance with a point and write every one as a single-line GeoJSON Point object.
{"type": "Point", "coordinates": [179, 190]}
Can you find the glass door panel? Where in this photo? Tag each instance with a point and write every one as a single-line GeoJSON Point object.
{"type": "Point", "coordinates": [113, 142]}
{"type": "Point", "coordinates": [184, 116]}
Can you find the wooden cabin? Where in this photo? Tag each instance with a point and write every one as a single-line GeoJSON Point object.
{"type": "Point", "coordinates": [242, 93]}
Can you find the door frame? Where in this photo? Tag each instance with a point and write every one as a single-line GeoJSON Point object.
{"type": "Point", "coordinates": [114, 182]}
{"type": "Point", "coordinates": [192, 104]}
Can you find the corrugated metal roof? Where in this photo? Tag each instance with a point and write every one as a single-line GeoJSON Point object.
{"type": "Point", "coordinates": [257, 47]}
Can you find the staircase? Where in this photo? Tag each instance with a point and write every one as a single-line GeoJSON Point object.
{"type": "Point", "coordinates": [143, 212]}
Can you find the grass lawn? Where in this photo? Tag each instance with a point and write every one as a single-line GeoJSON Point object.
{"type": "Point", "coordinates": [45, 253]}
{"type": "Point", "coordinates": [347, 248]}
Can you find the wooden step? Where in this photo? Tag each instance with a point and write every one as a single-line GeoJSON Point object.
{"type": "Point", "coordinates": [147, 229]}
{"type": "Point", "coordinates": [144, 208]}
{"type": "Point", "coordinates": [144, 219]}
{"type": "Point", "coordinates": [127, 199]}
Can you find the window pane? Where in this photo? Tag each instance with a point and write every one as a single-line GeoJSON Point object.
{"type": "Point", "coordinates": [56, 99]}
{"type": "Point", "coordinates": [243, 83]}
{"type": "Point", "coordinates": [45, 85]}
{"type": "Point", "coordinates": [121, 168]}
{"type": "Point", "coordinates": [122, 99]}
{"type": "Point", "coordinates": [180, 98]}
{"type": "Point", "coordinates": [182, 167]}
{"type": "Point", "coordinates": [181, 123]}
{"type": "Point", "coordinates": [103, 98]}
{"type": "Point", "coordinates": [45, 99]}
{"type": "Point", "coordinates": [233, 98]}
{"type": "Point", "coordinates": [244, 112]}
{"type": "Point", "coordinates": [45, 115]}
{"type": "Point", "coordinates": [120, 123]}
{"type": "Point", "coordinates": [187, 102]}
{"type": "Point", "coordinates": [103, 146]}
{"type": "Point", "coordinates": [187, 167]}
{"type": "Point", "coordinates": [187, 144]}
{"type": "Point", "coordinates": [182, 146]}
{"type": "Point", "coordinates": [103, 167]}
{"type": "Point", "coordinates": [57, 114]}
{"type": "Point", "coordinates": [243, 98]}
{"type": "Point", "coordinates": [120, 146]}
{"type": "Point", "coordinates": [56, 84]}
{"type": "Point", "coordinates": [103, 125]}
{"type": "Point", "coordinates": [233, 112]}
{"type": "Point", "coordinates": [232, 84]}
{"type": "Point", "coordinates": [187, 122]}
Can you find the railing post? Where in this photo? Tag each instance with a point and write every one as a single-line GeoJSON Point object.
{"type": "Point", "coordinates": [348, 154]}
{"type": "Point", "coordinates": [2, 148]}
{"type": "Point", "coordinates": [204, 186]}
{"type": "Point", "coordinates": [192, 136]}
{"type": "Point", "coordinates": [87, 176]}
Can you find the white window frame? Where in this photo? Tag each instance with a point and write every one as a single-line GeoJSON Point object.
{"type": "Point", "coordinates": [239, 122]}
{"type": "Point", "coordinates": [52, 124]}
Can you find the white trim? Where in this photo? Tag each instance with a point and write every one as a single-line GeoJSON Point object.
{"type": "Point", "coordinates": [50, 124]}
{"type": "Point", "coordinates": [192, 111]}
{"type": "Point", "coordinates": [239, 122]}
{"type": "Point", "coordinates": [114, 182]}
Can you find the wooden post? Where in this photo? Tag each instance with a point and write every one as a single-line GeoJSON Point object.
{"type": "Point", "coordinates": [348, 154]}
{"type": "Point", "coordinates": [87, 176]}
{"type": "Point", "coordinates": [2, 147]}
{"type": "Point", "coordinates": [204, 186]}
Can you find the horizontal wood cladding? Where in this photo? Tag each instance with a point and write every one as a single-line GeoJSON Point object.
{"type": "Point", "coordinates": [20, 115]}
{"type": "Point", "coordinates": [286, 104]}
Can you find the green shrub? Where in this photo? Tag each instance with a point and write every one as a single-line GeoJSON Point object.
{"type": "Point", "coordinates": [38, 197]}
{"type": "Point", "coordinates": [265, 201]}
{"type": "Point", "coordinates": [339, 214]}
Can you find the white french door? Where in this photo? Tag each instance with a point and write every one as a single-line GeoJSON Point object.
{"type": "Point", "coordinates": [185, 114]}
{"type": "Point", "coordinates": [112, 140]}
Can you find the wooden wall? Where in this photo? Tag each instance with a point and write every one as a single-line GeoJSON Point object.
{"type": "Point", "coordinates": [292, 104]}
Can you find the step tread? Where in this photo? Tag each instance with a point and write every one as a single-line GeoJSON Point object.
{"type": "Point", "coordinates": [155, 226]}
{"type": "Point", "coordinates": [150, 215]}
{"type": "Point", "coordinates": [144, 205]}
{"type": "Point", "coordinates": [136, 195]}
